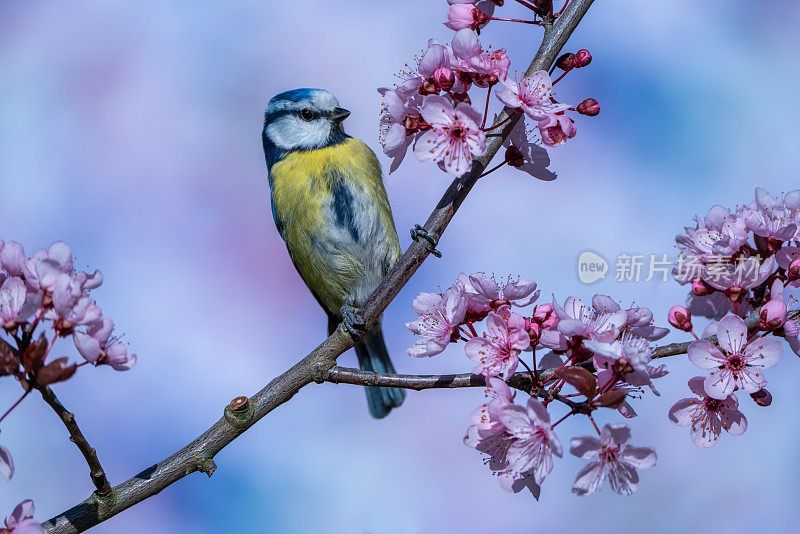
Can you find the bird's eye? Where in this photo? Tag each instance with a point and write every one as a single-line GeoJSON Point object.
{"type": "Point", "coordinates": [307, 114]}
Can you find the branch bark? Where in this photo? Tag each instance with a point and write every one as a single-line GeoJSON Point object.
{"type": "Point", "coordinates": [241, 415]}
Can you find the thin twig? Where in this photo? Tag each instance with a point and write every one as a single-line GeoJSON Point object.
{"type": "Point", "coordinates": [96, 471]}
{"type": "Point", "coordinates": [198, 455]}
{"type": "Point", "coordinates": [13, 406]}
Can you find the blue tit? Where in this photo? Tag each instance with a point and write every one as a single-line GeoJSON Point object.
{"type": "Point", "coordinates": [330, 207]}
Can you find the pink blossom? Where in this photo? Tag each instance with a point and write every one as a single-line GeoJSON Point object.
{"type": "Point", "coordinates": [628, 358]}
{"type": "Point", "coordinates": [771, 218]}
{"type": "Point", "coordinates": [639, 323]}
{"type": "Point", "coordinates": [98, 346]}
{"type": "Point", "coordinates": [454, 138]}
{"type": "Point", "coordinates": [708, 416]}
{"type": "Point", "coordinates": [12, 257]}
{"type": "Point", "coordinates": [399, 123]}
{"type": "Point", "coordinates": [488, 435]}
{"type": "Point", "coordinates": [773, 313]}
{"type": "Point", "coordinates": [21, 520]}
{"type": "Point", "coordinates": [487, 293]}
{"type": "Point", "coordinates": [736, 362]}
{"type": "Point", "coordinates": [437, 61]}
{"type": "Point", "coordinates": [533, 95]}
{"type": "Point", "coordinates": [436, 64]}
{"type": "Point", "coordinates": [556, 129]}
{"type": "Point", "coordinates": [485, 422]}
{"type": "Point", "coordinates": [438, 322]}
{"type": "Point", "coordinates": [532, 442]}
{"type": "Point", "coordinates": [484, 66]}
{"type": "Point", "coordinates": [13, 295]}
{"type": "Point", "coordinates": [70, 310]}
{"type": "Point", "coordinates": [497, 351]}
{"type": "Point", "coordinates": [577, 321]}
{"type": "Point", "coordinates": [610, 456]}
{"type": "Point", "coordinates": [720, 233]}
{"type": "Point", "coordinates": [476, 309]}
{"type": "Point", "coordinates": [736, 278]}
{"type": "Point", "coordinates": [466, 14]}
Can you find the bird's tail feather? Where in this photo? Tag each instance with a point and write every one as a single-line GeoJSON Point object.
{"type": "Point", "coordinates": [373, 356]}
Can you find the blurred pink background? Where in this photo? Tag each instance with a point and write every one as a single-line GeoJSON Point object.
{"type": "Point", "coordinates": [132, 131]}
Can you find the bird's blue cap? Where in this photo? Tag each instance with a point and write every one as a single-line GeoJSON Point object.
{"type": "Point", "coordinates": [296, 95]}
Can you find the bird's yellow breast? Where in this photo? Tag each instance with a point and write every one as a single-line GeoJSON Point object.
{"type": "Point", "coordinates": [333, 213]}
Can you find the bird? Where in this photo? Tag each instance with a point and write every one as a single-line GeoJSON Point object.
{"type": "Point", "coordinates": [330, 207]}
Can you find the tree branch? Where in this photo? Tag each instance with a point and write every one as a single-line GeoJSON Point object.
{"type": "Point", "coordinates": [241, 415]}
{"type": "Point", "coordinates": [348, 375]}
{"type": "Point", "coordinates": [521, 380]}
{"type": "Point", "coordinates": [96, 471]}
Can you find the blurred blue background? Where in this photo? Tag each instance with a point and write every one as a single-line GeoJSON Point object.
{"type": "Point", "coordinates": [132, 131]}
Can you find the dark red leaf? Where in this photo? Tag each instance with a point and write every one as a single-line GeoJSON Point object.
{"type": "Point", "coordinates": [9, 364]}
{"type": "Point", "coordinates": [34, 356]}
{"type": "Point", "coordinates": [581, 379]}
{"type": "Point", "coordinates": [56, 371]}
{"type": "Point", "coordinates": [611, 399]}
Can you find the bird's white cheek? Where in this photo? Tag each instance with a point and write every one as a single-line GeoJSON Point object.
{"type": "Point", "coordinates": [292, 133]}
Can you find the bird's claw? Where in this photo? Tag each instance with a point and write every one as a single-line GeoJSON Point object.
{"type": "Point", "coordinates": [353, 322]}
{"type": "Point", "coordinates": [418, 232]}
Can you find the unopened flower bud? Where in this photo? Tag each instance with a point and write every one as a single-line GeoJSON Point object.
{"type": "Point", "coordinates": [681, 318]}
{"type": "Point", "coordinates": [463, 16]}
{"type": "Point", "coordinates": [534, 332]}
{"type": "Point", "coordinates": [566, 62]}
{"type": "Point", "coordinates": [700, 288]}
{"type": "Point", "coordinates": [762, 397]}
{"type": "Point", "coordinates": [582, 58]}
{"type": "Point", "coordinates": [545, 315]}
{"type": "Point", "coordinates": [793, 272]}
{"type": "Point", "coordinates": [444, 78]}
{"type": "Point", "coordinates": [772, 315]}
{"type": "Point", "coordinates": [514, 157]}
{"type": "Point", "coordinates": [589, 107]}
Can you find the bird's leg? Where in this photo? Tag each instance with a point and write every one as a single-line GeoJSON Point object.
{"type": "Point", "coordinates": [418, 232]}
{"type": "Point", "coordinates": [353, 322]}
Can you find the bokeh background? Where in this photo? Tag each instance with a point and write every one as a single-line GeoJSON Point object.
{"type": "Point", "coordinates": [132, 131]}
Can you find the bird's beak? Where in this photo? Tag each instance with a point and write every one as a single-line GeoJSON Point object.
{"type": "Point", "coordinates": [340, 114]}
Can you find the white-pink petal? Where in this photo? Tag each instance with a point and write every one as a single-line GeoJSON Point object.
{"type": "Point", "coordinates": [705, 354]}
{"type": "Point", "coordinates": [719, 384]}
{"type": "Point", "coordinates": [763, 352]}
{"type": "Point", "coordinates": [589, 479]}
{"type": "Point", "coordinates": [732, 333]}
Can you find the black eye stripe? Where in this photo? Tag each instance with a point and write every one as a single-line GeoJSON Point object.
{"type": "Point", "coordinates": [277, 114]}
{"type": "Point", "coordinates": [308, 114]}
